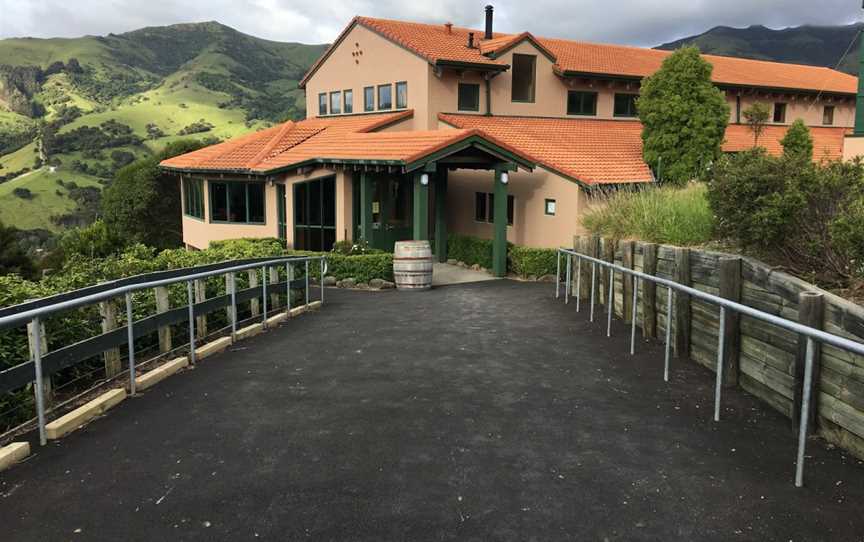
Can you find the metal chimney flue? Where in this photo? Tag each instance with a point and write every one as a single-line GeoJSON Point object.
{"type": "Point", "coordinates": [488, 34]}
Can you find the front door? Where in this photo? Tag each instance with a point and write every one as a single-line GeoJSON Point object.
{"type": "Point", "coordinates": [315, 214]}
{"type": "Point", "coordinates": [391, 211]}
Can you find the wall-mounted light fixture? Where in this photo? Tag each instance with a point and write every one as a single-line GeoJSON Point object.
{"type": "Point", "coordinates": [424, 179]}
{"type": "Point", "coordinates": [505, 178]}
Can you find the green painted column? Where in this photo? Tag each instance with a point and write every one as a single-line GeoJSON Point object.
{"type": "Point", "coordinates": [441, 216]}
{"type": "Point", "coordinates": [366, 194]}
{"type": "Point", "coordinates": [859, 100]}
{"type": "Point", "coordinates": [421, 209]}
{"type": "Point", "coordinates": [499, 244]}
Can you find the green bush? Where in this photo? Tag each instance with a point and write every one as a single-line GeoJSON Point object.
{"type": "Point", "coordinates": [678, 216]}
{"type": "Point", "coordinates": [527, 261]}
{"type": "Point", "coordinates": [360, 267]}
{"type": "Point", "coordinates": [470, 250]}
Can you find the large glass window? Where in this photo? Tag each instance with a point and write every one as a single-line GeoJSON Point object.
{"type": "Point", "coordinates": [780, 112]}
{"type": "Point", "coordinates": [625, 105]}
{"type": "Point", "coordinates": [828, 115]}
{"type": "Point", "coordinates": [385, 96]}
{"type": "Point", "coordinates": [484, 207]}
{"type": "Point", "coordinates": [322, 103]}
{"type": "Point", "coordinates": [335, 103]}
{"type": "Point", "coordinates": [469, 97]}
{"type": "Point", "coordinates": [349, 101]}
{"type": "Point", "coordinates": [369, 99]}
{"type": "Point", "coordinates": [524, 74]}
{"type": "Point", "coordinates": [193, 197]}
{"type": "Point", "coordinates": [237, 202]}
{"type": "Point", "coordinates": [315, 214]}
{"type": "Point", "coordinates": [581, 103]}
{"type": "Point", "coordinates": [401, 95]}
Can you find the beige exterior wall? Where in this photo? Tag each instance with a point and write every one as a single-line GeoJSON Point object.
{"type": "Point", "coordinates": [853, 147]}
{"type": "Point", "coordinates": [363, 59]}
{"type": "Point", "coordinates": [531, 226]}
{"type": "Point", "coordinates": [802, 107]}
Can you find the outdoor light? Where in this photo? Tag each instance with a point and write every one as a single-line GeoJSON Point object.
{"type": "Point", "coordinates": [424, 179]}
{"type": "Point", "coordinates": [505, 178]}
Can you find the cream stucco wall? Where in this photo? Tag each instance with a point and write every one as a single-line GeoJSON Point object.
{"type": "Point", "coordinates": [804, 107]}
{"type": "Point", "coordinates": [363, 59]}
{"type": "Point", "coordinates": [853, 147]}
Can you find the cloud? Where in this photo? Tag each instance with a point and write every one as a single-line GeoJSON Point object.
{"type": "Point", "coordinates": [637, 22]}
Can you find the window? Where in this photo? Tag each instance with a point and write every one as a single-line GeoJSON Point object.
{"type": "Point", "coordinates": [237, 202]}
{"type": "Point", "coordinates": [469, 97]}
{"type": "Point", "coordinates": [335, 103]}
{"type": "Point", "coordinates": [779, 112]}
{"type": "Point", "coordinates": [625, 105]}
{"type": "Point", "coordinates": [828, 115]}
{"type": "Point", "coordinates": [524, 72]}
{"type": "Point", "coordinates": [484, 207]}
{"type": "Point", "coordinates": [369, 99]}
{"type": "Point", "coordinates": [385, 96]}
{"type": "Point", "coordinates": [581, 103]}
{"type": "Point", "coordinates": [401, 95]}
{"type": "Point", "coordinates": [349, 101]}
{"type": "Point", "coordinates": [322, 103]}
{"type": "Point", "coordinates": [193, 198]}
{"type": "Point", "coordinates": [315, 214]}
{"type": "Point", "coordinates": [549, 208]}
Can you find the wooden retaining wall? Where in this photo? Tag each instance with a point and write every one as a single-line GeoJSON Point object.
{"type": "Point", "coordinates": [763, 359]}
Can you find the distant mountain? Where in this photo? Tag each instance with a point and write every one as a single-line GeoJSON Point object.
{"type": "Point", "coordinates": [74, 110]}
{"type": "Point", "coordinates": [814, 45]}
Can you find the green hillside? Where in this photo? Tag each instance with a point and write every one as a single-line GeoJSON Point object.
{"type": "Point", "coordinates": [814, 45]}
{"type": "Point", "coordinates": [78, 109]}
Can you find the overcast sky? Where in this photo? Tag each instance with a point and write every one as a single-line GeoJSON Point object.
{"type": "Point", "coordinates": [636, 22]}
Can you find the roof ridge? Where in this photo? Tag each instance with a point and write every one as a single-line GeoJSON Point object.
{"type": "Point", "coordinates": [286, 127]}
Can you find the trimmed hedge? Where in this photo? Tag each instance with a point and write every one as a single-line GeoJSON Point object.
{"type": "Point", "coordinates": [470, 250]}
{"type": "Point", "coordinates": [360, 267]}
{"type": "Point", "coordinates": [536, 262]}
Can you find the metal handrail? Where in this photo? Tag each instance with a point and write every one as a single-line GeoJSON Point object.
{"type": "Point", "coordinates": [34, 315]}
{"type": "Point", "coordinates": [812, 334]}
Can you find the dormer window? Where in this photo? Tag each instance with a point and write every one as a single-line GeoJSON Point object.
{"type": "Point", "coordinates": [335, 103]}
{"type": "Point", "coordinates": [322, 103]}
{"type": "Point", "coordinates": [580, 102]}
{"type": "Point", "coordinates": [385, 97]}
{"type": "Point", "coordinates": [524, 78]}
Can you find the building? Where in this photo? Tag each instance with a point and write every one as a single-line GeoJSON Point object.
{"type": "Point", "coordinates": [416, 130]}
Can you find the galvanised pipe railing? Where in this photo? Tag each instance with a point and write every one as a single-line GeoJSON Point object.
{"type": "Point", "coordinates": [812, 334]}
{"type": "Point", "coordinates": [34, 315]}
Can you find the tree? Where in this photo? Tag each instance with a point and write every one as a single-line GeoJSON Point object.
{"type": "Point", "coordinates": [142, 205]}
{"type": "Point", "coordinates": [757, 117]}
{"type": "Point", "coordinates": [797, 143]}
{"type": "Point", "coordinates": [683, 115]}
{"type": "Point", "coordinates": [13, 258]}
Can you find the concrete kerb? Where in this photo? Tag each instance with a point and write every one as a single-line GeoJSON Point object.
{"type": "Point", "coordinates": [13, 453]}
{"type": "Point", "coordinates": [73, 420]}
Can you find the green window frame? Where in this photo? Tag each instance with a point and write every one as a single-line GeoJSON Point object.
{"type": "Point", "coordinates": [322, 103]}
{"type": "Point", "coordinates": [484, 207]}
{"type": "Point", "coordinates": [368, 99]}
{"type": "Point", "coordinates": [315, 214]}
{"type": "Point", "coordinates": [193, 198]}
{"type": "Point", "coordinates": [336, 103]}
{"type": "Point", "coordinates": [625, 105]}
{"type": "Point", "coordinates": [348, 99]}
{"type": "Point", "coordinates": [469, 97]}
{"type": "Point", "coordinates": [524, 78]}
{"type": "Point", "coordinates": [385, 97]}
{"type": "Point", "coordinates": [401, 95]}
{"type": "Point", "coordinates": [828, 115]}
{"type": "Point", "coordinates": [582, 102]}
{"type": "Point", "coordinates": [779, 112]}
{"type": "Point", "coordinates": [237, 202]}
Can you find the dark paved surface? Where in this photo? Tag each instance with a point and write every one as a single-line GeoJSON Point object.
{"type": "Point", "coordinates": [477, 412]}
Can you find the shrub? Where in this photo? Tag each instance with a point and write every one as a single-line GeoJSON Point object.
{"type": "Point", "coordinates": [797, 143]}
{"type": "Point", "coordinates": [470, 250]}
{"type": "Point", "coordinates": [756, 116]}
{"type": "Point", "coordinates": [527, 261]}
{"type": "Point", "coordinates": [23, 193]}
{"type": "Point", "coordinates": [678, 216]}
{"type": "Point", "coordinates": [351, 248]}
{"type": "Point", "coordinates": [362, 267]}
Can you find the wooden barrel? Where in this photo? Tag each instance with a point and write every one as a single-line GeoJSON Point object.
{"type": "Point", "coordinates": [412, 265]}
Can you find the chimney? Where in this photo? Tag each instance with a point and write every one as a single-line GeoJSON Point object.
{"type": "Point", "coordinates": [449, 27]}
{"type": "Point", "coordinates": [470, 40]}
{"type": "Point", "coordinates": [488, 34]}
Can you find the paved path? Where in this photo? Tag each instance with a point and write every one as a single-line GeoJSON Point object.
{"type": "Point", "coordinates": [484, 411]}
{"type": "Point", "coordinates": [444, 274]}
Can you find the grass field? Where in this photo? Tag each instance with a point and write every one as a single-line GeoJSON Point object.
{"type": "Point", "coordinates": [37, 212]}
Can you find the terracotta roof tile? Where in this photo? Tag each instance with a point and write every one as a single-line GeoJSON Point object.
{"type": "Point", "coordinates": [592, 151]}
{"type": "Point", "coordinates": [827, 142]}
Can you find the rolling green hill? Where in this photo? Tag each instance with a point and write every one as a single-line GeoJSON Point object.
{"type": "Point", "coordinates": [814, 45]}
{"type": "Point", "coordinates": [77, 109]}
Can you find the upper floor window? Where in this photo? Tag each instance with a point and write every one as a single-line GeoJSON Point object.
{"type": "Point", "coordinates": [335, 103]}
{"type": "Point", "coordinates": [385, 96]}
{"type": "Point", "coordinates": [625, 105]}
{"type": "Point", "coordinates": [193, 197]}
{"type": "Point", "coordinates": [469, 97]}
{"type": "Point", "coordinates": [779, 112]}
{"type": "Point", "coordinates": [828, 115]}
{"type": "Point", "coordinates": [348, 104]}
{"type": "Point", "coordinates": [581, 103]}
{"type": "Point", "coordinates": [401, 95]}
{"type": "Point", "coordinates": [322, 103]}
{"type": "Point", "coordinates": [524, 75]}
{"type": "Point", "coordinates": [237, 202]}
{"type": "Point", "coordinates": [369, 99]}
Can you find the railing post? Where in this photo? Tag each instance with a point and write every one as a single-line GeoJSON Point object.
{"type": "Point", "coordinates": [42, 337]}
{"type": "Point", "coordinates": [804, 416]}
{"type": "Point", "coordinates": [288, 278]}
{"type": "Point", "coordinates": [668, 348]}
{"type": "Point", "coordinates": [130, 338]}
{"type": "Point", "coordinates": [682, 304]}
{"type": "Point", "coordinates": [718, 385]}
{"type": "Point", "coordinates": [254, 307]}
{"type": "Point", "coordinates": [321, 277]}
{"type": "Point", "coordinates": [811, 312]}
{"type": "Point", "coordinates": [627, 281]}
{"type": "Point", "coordinates": [608, 254]}
{"type": "Point", "coordinates": [307, 282]}
{"type": "Point", "coordinates": [163, 304]}
{"type": "Point", "coordinates": [567, 274]}
{"type": "Point", "coordinates": [557, 274]}
{"type": "Point", "coordinates": [200, 297]}
{"type": "Point", "coordinates": [190, 294]}
{"type": "Point", "coordinates": [274, 279]}
{"type": "Point", "coordinates": [36, 325]}
{"type": "Point", "coordinates": [111, 357]}
{"type": "Point", "coordinates": [611, 300]}
{"type": "Point", "coordinates": [264, 279]}
{"type": "Point", "coordinates": [730, 288]}
{"type": "Point", "coordinates": [649, 291]}
{"type": "Point", "coordinates": [231, 282]}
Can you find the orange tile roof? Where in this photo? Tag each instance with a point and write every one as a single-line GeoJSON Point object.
{"type": "Point", "coordinates": [436, 44]}
{"type": "Point", "coordinates": [592, 151]}
{"type": "Point", "coordinates": [827, 142]}
{"type": "Point", "coordinates": [334, 139]}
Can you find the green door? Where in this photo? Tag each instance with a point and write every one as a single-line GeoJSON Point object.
{"type": "Point", "coordinates": [280, 212]}
{"type": "Point", "coordinates": [391, 211]}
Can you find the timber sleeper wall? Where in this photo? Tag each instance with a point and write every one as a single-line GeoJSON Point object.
{"type": "Point", "coordinates": [763, 359]}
